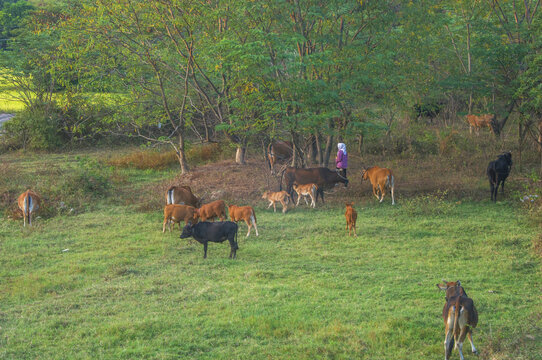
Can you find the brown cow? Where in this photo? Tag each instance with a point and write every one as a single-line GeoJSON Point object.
{"type": "Point", "coordinates": [281, 196]}
{"type": "Point", "coordinates": [381, 179]}
{"type": "Point", "coordinates": [238, 213]}
{"type": "Point", "coordinates": [212, 210]}
{"type": "Point", "coordinates": [478, 122]}
{"type": "Point", "coordinates": [321, 176]}
{"type": "Point", "coordinates": [460, 317]}
{"type": "Point", "coordinates": [279, 152]}
{"type": "Point", "coordinates": [182, 195]}
{"type": "Point", "coordinates": [175, 213]}
{"type": "Point", "coordinates": [351, 217]}
{"type": "Point", "coordinates": [306, 190]}
{"type": "Point", "coordinates": [29, 203]}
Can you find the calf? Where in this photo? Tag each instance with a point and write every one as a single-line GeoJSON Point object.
{"type": "Point", "coordinates": [215, 209]}
{"type": "Point", "coordinates": [29, 203]}
{"type": "Point", "coordinates": [175, 213]}
{"type": "Point", "coordinates": [306, 190]}
{"type": "Point", "coordinates": [246, 213]}
{"type": "Point", "coordinates": [381, 179]}
{"type": "Point", "coordinates": [281, 196]}
{"type": "Point", "coordinates": [217, 232]}
{"type": "Point", "coordinates": [460, 317]}
{"type": "Point", "coordinates": [497, 172]}
{"type": "Point", "coordinates": [351, 217]}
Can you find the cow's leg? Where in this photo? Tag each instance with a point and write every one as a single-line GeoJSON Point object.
{"type": "Point", "coordinates": [305, 198]}
{"type": "Point", "coordinates": [313, 203]}
{"type": "Point", "coordinates": [392, 196]}
{"type": "Point", "coordinates": [283, 206]}
{"type": "Point", "coordinates": [164, 226]}
{"type": "Point", "coordinates": [449, 338]}
{"type": "Point", "coordinates": [321, 195]}
{"type": "Point", "coordinates": [270, 204]}
{"type": "Point", "coordinates": [375, 193]}
{"type": "Point", "coordinates": [274, 207]}
{"type": "Point", "coordinates": [470, 129]}
{"type": "Point", "coordinates": [253, 220]}
{"type": "Point", "coordinates": [460, 340]}
{"type": "Point", "coordinates": [249, 226]}
{"type": "Point", "coordinates": [382, 192]}
{"type": "Point", "coordinates": [298, 198]}
{"type": "Point", "coordinates": [205, 250]}
{"type": "Point", "coordinates": [469, 335]}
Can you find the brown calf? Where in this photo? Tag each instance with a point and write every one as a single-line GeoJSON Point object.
{"type": "Point", "coordinates": [478, 122]}
{"type": "Point", "coordinates": [306, 190]}
{"type": "Point", "coordinates": [460, 317]}
{"type": "Point", "coordinates": [351, 217]}
{"type": "Point", "coordinates": [238, 213]}
{"type": "Point", "coordinates": [175, 213]}
{"type": "Point", "coordinates": [381, 179]}
{"type": "Point", "coordinates": [212, 210]}
{"type": "Point", "coordinates": [29, 202]}
{"type": "Point", "coordinates": [281, 196]}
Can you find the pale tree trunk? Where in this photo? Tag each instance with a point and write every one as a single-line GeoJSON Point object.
{"type": "Point", "coordinates": [240, 155]}
{"type": "Point", "coordinates": [182, 156]}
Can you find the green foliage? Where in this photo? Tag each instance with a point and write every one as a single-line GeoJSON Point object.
{"type": "Point", "coordinates": [435, 204]}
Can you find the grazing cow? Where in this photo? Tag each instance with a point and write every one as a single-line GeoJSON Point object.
{"type": "Point", "coordinates": [478, 122]}
{"type": "Point", "coordinates": [182, 195]}
{"type": "Point", "coordinates": [215, 209]}
{"type": "Point", "coordinates": [351, 217]}
{"type": "Point", "coordinates": [281, 196]}
{"type": "Point", "coordinates": [497, 172]}
{"type": "Point", "coordinates": [380, 178]}
{"type": "Point", "coordinates": [29, 203]}
{"type": "Point", "coordinates": [279, 152]}
{"type": "Point", "coordinates": [217, 232]}
{"type": "Point", "coordinates": [306, 190]}
{"type": "Point", "coordinates": [320, 176]}
{"type": "Point", "coordinates": [460, 317]}
{"type": "Point", "coordinates": [175, 213]}
{"type": "Point", "coordinates": [238, 213]}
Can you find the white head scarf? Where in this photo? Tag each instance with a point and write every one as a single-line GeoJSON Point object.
{"type": "Point", "coordinates": [342, 147]}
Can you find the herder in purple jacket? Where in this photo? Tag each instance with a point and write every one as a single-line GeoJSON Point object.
{"type": "Point", "coordinates": [341, 161]}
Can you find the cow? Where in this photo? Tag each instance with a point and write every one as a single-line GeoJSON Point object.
{"type": "Point", "coordinates": [182, 194]}
{"type": "Point", "coordinates": [246, 213]}
{"type": "Point", "coordinates": [280, 196]}
{"type": "Point", "coordinates": [460, 317]}
{"type": "Point", "coordinates": [320, 176]}
{"type": "Point", "coordinates": [306, 190]}
{"type": "Point", "coordinates": [175, 213]}
{"type": "Point", "coordinates": [478, 122]}
{"type": "Point", "coordinates": [351, 217]}
{"type": "Point", "coordinates": [215, 209]}
{"type": "Point", "coordinates": [497, 172]}
{"type": "Point", "coordinates": [381, 179]}
{"type": "Point", "coordinates": [279, 152]}
{"type": "Point", "coordinates": [29, 202]}
{"type": "Point", "coordinates": [427, 110]}
{"type": "Point", "coordinates": [217, 232]}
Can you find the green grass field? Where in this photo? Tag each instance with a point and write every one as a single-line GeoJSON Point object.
{"type": "Point", "coordinates": [107, 284]}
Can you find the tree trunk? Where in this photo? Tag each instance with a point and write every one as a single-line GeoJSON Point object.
{"type": "Point", "coordinates": [313, 151]}
{"type": "Point", "coordinates": [360, 142]}
{"type": "Point", "coordinates": [182, 156]}
{"type": "Point", "coordinates": [240, 155]}
{"type": "Point", "coordinates": [207, 137]}
{"type": "Point", "coordinates": [327, 154]}
{"type": "Point", "coordinates": [319, 155]}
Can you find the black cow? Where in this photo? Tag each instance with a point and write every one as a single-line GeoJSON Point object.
{"type": "Point", "coordinates": [206, 231]}
{"type": "Point", "coordinates": [497, 172]}
{"type": "Point", "coordinates": [321, 176]}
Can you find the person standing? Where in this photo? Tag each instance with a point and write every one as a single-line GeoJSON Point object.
{"type": "Point", "coordinates": [341, 161]}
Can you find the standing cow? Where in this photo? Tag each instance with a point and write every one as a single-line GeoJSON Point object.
{"type": "Point", "coordinates": [182, 194]}
{"type": "Point", "coordinates": [29, 202]}
{"type": "Point", "coordinates": [217, 232]}
{"type": "Point", "coordinates": [279, 152]}
{"type": "Point", "coordinates": [321, 176]}
{"type": "Point", "coordinates": [497, 172]}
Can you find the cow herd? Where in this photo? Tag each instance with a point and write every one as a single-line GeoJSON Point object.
{"type": "Point", "coordinates": [459, 313]}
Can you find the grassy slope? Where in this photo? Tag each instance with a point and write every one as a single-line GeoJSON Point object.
{"type": "Point", "coordinates": [301, 290]}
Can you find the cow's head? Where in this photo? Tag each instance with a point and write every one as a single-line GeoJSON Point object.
{"type": "Point", "coordinates": [349, 204]}
{"type": "Point", "coordinates": [452, 288]}
{"type": "Point", "coordinates": [507, 155]}
{"type": "Point", "coordinates": [187, 231]}
{"type": "Point", "coordinates": [265, 194]}
{"type": "Point", "coordinates": [364, 174]}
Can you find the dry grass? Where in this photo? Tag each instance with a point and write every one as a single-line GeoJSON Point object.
{"type": "Point", "coordinates": [145, 160]}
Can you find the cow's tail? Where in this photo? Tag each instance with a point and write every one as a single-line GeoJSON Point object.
{"type": "Point", "coordinates": [170, 198]}
{"type": "Point", "coordinates": [456, 318]}
{"type": "Point", "coordinates": [253, 218]}
{"type": "Point", "coordinates": [28, 205]}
